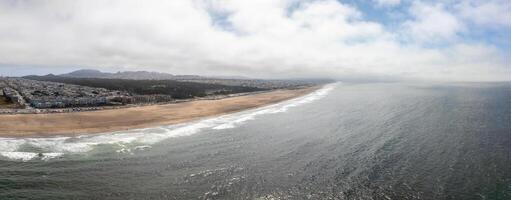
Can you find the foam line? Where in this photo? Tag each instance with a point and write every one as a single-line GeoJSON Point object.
{"type": "Point", "coordinates": [25, 149]}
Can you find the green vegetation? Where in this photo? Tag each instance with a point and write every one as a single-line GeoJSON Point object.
{"type": "Point", "coordinates": [177, 89]}
{"type": "Point", "coordinates": [5, 103]}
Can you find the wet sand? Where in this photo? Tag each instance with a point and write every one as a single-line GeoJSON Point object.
{"type": "Point", "coordinates": [80, 123]}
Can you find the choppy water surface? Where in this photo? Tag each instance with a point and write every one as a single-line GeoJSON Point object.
{"type": "Point", "coordinates": [346, 141]}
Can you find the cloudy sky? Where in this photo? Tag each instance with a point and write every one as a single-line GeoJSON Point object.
{"type": "Point", "coordinates": [446, 40]}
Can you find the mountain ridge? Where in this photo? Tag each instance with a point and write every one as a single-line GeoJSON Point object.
{"type": "Point", "coordinates": [134, 75]}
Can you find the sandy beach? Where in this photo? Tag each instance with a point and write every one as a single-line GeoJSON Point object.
{"type": "Point", "coordinates": [80, 123]}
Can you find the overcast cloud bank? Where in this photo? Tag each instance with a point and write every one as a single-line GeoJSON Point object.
{"type": "Point", "coordinates": [425, 40]}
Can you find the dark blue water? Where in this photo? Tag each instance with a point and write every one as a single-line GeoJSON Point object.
{"type": "Point", "coordinates": [359, 141]}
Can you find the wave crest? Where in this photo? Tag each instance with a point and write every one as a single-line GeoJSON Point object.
{"type": "Point", "coordinates": [25, 149]}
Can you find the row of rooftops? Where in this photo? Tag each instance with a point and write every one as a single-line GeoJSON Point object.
{"type": "Point", "coordinates": [44, 94]}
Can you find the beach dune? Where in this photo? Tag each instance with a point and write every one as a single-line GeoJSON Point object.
{"type": "Point", "coordinates": [79, 123]}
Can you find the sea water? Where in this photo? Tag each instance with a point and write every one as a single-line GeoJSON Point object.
{"type": "Point", "coordinates": [345, 141]}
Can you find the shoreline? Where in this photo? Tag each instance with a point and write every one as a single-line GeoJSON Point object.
{"type": "Point", "coordinates": [24, 111]}
{"type": "Point", "coordinates": [111, 120]}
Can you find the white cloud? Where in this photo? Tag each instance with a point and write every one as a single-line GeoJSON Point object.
{"type": "Point", "coordinates": [387, 2]}
{"type": "Point", "coordinates": [266, 38]}
{"type": "Point", "coordinates": [432, 23]}
{"type": "Point", "coordinates": [486, 12]}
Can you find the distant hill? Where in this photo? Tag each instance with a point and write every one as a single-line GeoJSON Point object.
{"type": "Point", "coordinates": [230, 81]}
{"type": "Point", "coordinates": [86, 73]}
{"type": "Point", "coordinates": [133, 75]}
{"type": "Point", "coordinates": [230, 77]}
{"type": "Point", "coordinates": [174, 88]}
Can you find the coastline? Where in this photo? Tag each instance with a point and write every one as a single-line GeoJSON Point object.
{"type": "Point", "coordinates": [18, 111]}
{"type": "Point", "coordinates": [111, 120]}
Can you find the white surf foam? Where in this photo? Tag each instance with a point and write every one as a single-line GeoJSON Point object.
{"type": "Point", "coordinates": [126, 141]}
{"type": "Point", "coordinates": [26, 156]}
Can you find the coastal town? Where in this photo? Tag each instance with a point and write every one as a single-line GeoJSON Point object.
{"type": "Point", "coordinates": [31, 96]}
{"type": "Point", "coordinates": [56, 94]}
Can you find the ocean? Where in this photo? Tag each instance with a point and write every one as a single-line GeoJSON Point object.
{"type": "Point", "coordinates": [344, 141]}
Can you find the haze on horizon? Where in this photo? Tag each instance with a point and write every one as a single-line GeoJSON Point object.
{"type": "Point", "coordinates": [457, 40]}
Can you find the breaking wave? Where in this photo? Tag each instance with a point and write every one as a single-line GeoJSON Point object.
{"type": "Point", "coordinates": [25, 149]}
